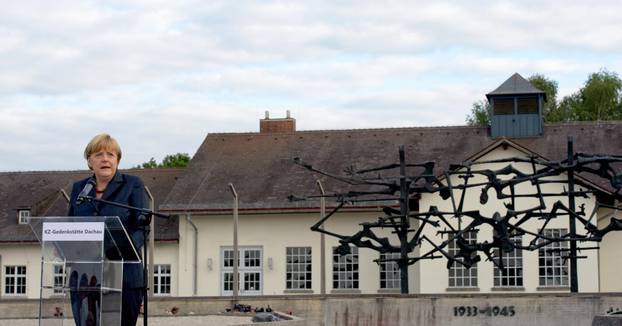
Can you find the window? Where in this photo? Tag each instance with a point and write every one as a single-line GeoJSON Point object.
{"type": "Point", "coordinates": [15, 280]}
{"type": "Point", "coordinates": [161, 279]}
{"type": "Point", "coordinates": [553, 268]}
{"type": "Point", "coordinates": [527, 105]}
{"type": "Point", "coordinates": [250, 270]}
{"type": "Point", "coordinates": [228, 258]}
{"type": "Point", "coordinates": [227, 282]}
{"type": "Point", "coordinates": [59, 278]}
{"type": "Point", "coordinates": [460, 276]}
{"type": "Point", "coordinates": [346, 269]}
{"type": "Point", "coordinates": [252, 258]}
{"type": "Point", "coordinates": [298, 269]}
{"type": "Point", "coordinates": [23, 215]}
{"type": "Point", "coordinates": [503, 106]}
{"type": "Point", "coordinates": [512, 273]}
{"type": "Point", "coordinates": [389, 271]}
{"type": "Point", "coordinates": [252, 281]}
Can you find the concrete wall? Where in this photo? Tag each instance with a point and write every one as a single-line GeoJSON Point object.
{"type": "Point", "coordinates": [385, 310]}
{"type": "Point", "coordinates": [506, 310]}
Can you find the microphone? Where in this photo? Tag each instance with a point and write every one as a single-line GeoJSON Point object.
{"type": "Point", "coordinates": [85, 191]}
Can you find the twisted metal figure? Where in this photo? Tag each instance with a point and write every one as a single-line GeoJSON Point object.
{"type": "Point", "coordinates": [413, 229]}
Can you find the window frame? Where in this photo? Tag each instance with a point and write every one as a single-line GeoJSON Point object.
{"type": "Point", "coordinates": [524, 98]}
{"type": "Point", "coordinates": [15, 276]}
{"type": "Point", "coordinates": [22, 216]}
{"type": "Point", "coordinates": [560, 268]}
{"type": "Point", "coordinates": [512, 267]}
{"type": "Point", "coordinates": [250, 270]}
{"type": "Point", "coordinates": [389, 268]}
{"type": "Point", "coordinates": [503, 99]}
{"type": "Point", "coordinates": [346, 272]}
{"type": "Point", "coordinates": [516, 102]}
{"type": "Point", "coordinates": [298, 272]}
{"type": "Point", "coordinates": [60, 279]}
{"type": "Point", "coordinates": [468, 278]}
{"type": "Point", "coordinates": [160, 275]}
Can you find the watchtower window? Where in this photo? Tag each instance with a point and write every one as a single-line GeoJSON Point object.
{"type": "Point", "coordinates": [527, 105]}
{"type": "Point", "coordinates": [504, 106]}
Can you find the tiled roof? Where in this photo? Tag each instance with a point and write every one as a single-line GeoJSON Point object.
{"type": "Point", "coordinates": [262, 170]}
{"type": "Point", "coordinates": [40, 192]}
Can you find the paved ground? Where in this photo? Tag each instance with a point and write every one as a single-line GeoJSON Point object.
{"type": "Point", "coordinates": [210, 320]}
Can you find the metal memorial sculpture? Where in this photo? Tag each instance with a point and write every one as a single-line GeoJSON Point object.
{"type": "Point", "coordinates": [519, 183]}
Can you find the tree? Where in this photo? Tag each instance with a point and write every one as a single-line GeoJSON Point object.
{"type": "Point", "coordinates": [151, 164]}
{"type": "Point", "coordinates": [480, 114]}
{"type": "Point", "coordinates": [178, 160]}
{"type": "Point", "coordinates": [565, 111]}
{"type": "Point", "coordinates": [549, 87]}
{"type": "Point", "coordinates": [600, 98]}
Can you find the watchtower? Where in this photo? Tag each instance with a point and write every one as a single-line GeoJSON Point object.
{"type": "Point", "coordinates": [516, 108]}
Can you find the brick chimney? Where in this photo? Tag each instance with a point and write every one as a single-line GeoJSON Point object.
{"type": "Point", "coordinates": [279, 125]}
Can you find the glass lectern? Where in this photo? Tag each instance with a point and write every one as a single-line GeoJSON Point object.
{"type": "Point", "coordinates": [82, 269]}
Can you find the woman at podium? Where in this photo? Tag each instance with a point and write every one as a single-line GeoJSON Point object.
{"type": "Point", "coordinates": [102, 155]}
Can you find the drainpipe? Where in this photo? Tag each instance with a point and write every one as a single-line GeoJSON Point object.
{"type": "Point", "coordinates": [151, 241]}
{"type": "Point", "coordinates": [236, 278]}
{"type": "Point", "coordinates": [196, 249]}
{"type": "Point", "coordinates": [322, 241]}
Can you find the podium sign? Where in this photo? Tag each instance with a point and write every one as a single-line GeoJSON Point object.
{"type": "Point", "coordinates": [76, 231]}
{"type": "Point", "coordinates": [82, 269]}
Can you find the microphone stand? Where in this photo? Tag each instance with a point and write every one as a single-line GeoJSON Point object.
{"type": "Point", "coordinates": [144, 220]}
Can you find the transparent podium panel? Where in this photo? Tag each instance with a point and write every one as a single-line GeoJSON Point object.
{"type": "Point", "coordinates": [82, 261]}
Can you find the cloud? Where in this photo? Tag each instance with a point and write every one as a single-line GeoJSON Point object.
{"type": "Point", "coordinates": [160, 75]}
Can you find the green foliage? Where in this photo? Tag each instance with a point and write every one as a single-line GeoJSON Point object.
{"type": "Point", "coordinates": [178, 160]}
{"type": "Point", "coordinates": [549, 87]}
{"type": "Point", "coordinates": [148, 165]}
{"type": "Point", "coordinates": [480, 114]}
{"type": "Point", "coordinates": [600, 98]}
{"type": "Point", "coordinates": [565, 111]}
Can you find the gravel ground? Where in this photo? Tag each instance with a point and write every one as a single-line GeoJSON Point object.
{"type": "Point", "coordinates": [209, 320]}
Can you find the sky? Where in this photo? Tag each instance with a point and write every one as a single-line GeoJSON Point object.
{"type": "Point", "coordinates": [161, 75]}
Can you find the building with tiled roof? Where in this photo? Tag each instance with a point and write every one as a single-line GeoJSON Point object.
{"type": "Point", "coordinates": [279, 254]}
{"type": "Point", "coordinates": [45, 193]}
{"type": "Point", "coordinates": [262, 170]}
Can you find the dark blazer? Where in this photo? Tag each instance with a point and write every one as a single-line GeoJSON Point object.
{"type": "Point", "coordinates": [124, 189]}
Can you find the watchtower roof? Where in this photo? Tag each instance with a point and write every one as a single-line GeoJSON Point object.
{"type": "Point", "coordinates": [515, 85]}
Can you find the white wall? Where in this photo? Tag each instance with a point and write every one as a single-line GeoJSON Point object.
{"type": "Point", "coordinates": [273, 233]}
{"type": "Point", "coordinates": [434, 274]}
{"type": "Point", "coordinates": [167, 254]}
{"type": "Point", "coordinates": [23, 254]}
{"type": "Point", "coordinates": [610, 259]}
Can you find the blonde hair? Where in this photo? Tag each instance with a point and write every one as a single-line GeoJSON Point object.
{"type": "Point", "coordinates": [102, 142]}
